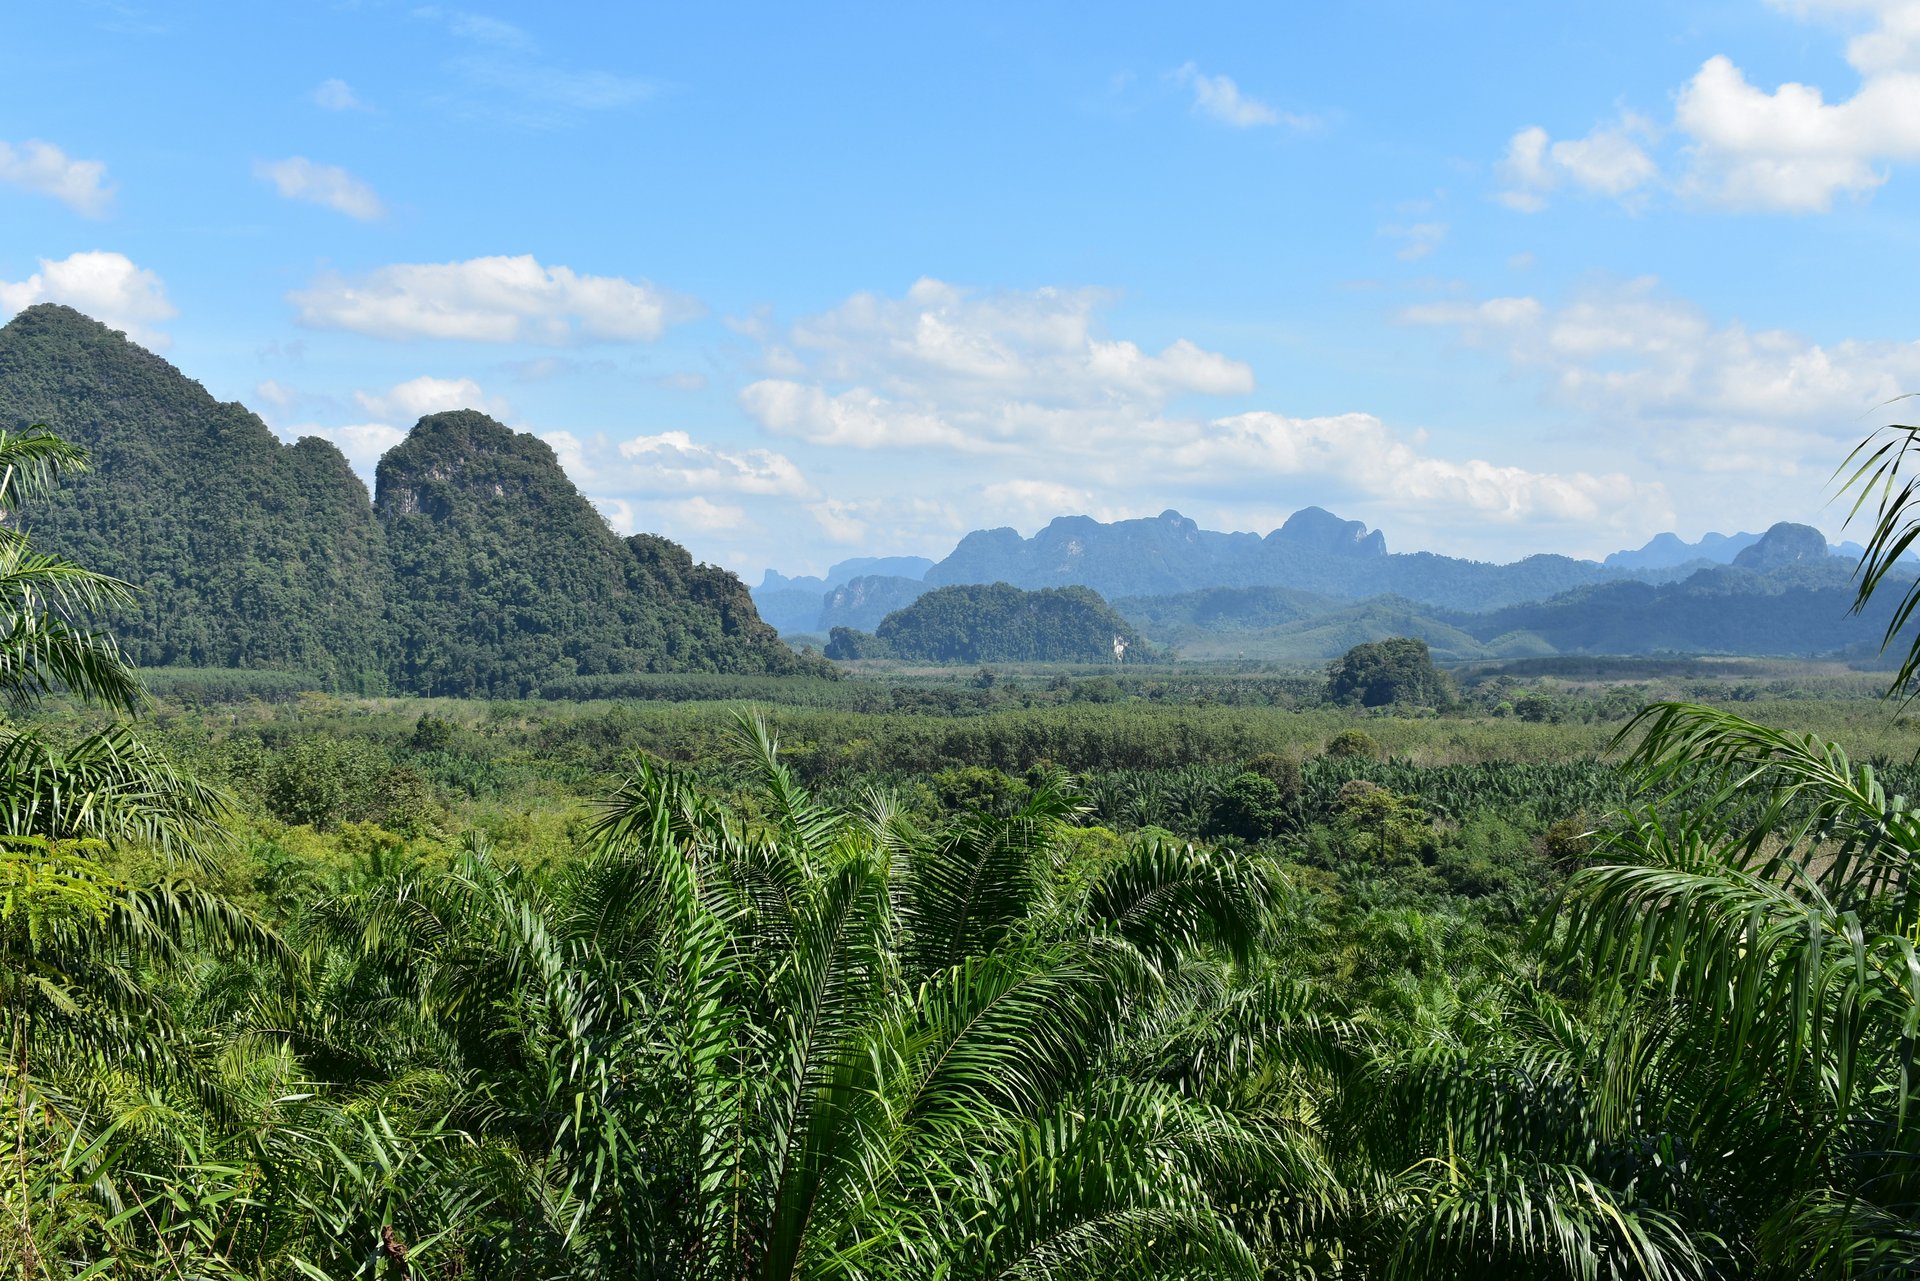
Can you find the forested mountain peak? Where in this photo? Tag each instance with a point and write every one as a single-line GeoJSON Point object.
{"type": "Point", "coordinates": [514, 581]}
{"type": "Point", "coordinates": [477, 567]}
{"type": "Point", "coordinates": [250, 552]}
{"type": "Point", "coordinates": [1783, 544]}
{"type": "Point", "coordinates": [1319, 528]}
{"type": "Point", "coordinates": [997, 623]}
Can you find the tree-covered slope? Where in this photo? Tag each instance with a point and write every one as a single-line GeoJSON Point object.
{"type": "Point", "coordinates": [479, 569]}
{"type": "Point", "coordinates": [998, 623]}
{"type": "Point", "coordinates": [507, 579]}
{"type": "Point", "coordinates": [250, 552]}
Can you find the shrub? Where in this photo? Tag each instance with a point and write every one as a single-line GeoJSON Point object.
{"type": "Point", "coordinates": [1353, 742]}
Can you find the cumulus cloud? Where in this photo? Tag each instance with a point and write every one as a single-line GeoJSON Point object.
{"type": "Point", "coordinates": [701, 514]}
{"type": "Point", "coordinates": [415, 398]}
{"type": "Point", "coordinates": [362, 443]}
{"type": "Point", "coordinates": [106, 286]}
{"type": "Point", "coordinates": [298, 178]}
{"type": "Point", "coordinates": [958, 369]}
{"type": "Point", "coordinates": [673, 462]}
{"type": "Point", "coordinates": [1030, 384]}
{"type": "Point", "coordinates": [497, 299]}
{"type": "Point", "coordinates": [1790, 149]}
{"type": "Point", "coordinates": [80, 185]}
{"type": "Point", "coordinates": [1632, 349]}
{"type": "Point", "coordinates": [1609, 161]}
{"type": "Point", "coordinates": [1744, 146]}
{"type": "Point", "coordinates": [1751, 422]}
{"type": "Point", "coordinates": [927, 525]}
{"type": "Point", "coordinates": [336, 95]}
{"type": "Point", "coordinates": [1372, 459]}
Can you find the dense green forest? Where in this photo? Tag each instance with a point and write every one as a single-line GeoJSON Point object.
{"type": "Point", "coordinates": [506, 579]}
{"type": "Point", "coordinates": [998, 623]}
{"type": "Point", "coordinates": [1140, 973]}
{"type": "Point", "coordinates": [476, 568]}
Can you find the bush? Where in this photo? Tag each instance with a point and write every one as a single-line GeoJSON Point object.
{"type": "Point", "coordinates": [1251, 807]}
{"type": "Point", "coordinates": [1282, 770]}
{"type": "Point", "coordinates": [1353, 742]}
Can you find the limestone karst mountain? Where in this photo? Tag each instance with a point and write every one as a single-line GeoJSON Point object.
{"type": "Point", "coordinates": [478, 568]}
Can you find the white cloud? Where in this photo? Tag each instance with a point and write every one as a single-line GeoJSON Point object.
{"type": "Point", "coordinates": [298, 178]}
{"type": "Point", "coordinates": [1064, 412]}
{"type": "Point", "coordinates": [106, 286]}
{"type": "Point", "coordinates": [1790, 149]}
{"type": "Point", "coordinates": [415, 398]}
{"type": "Point", "coordinates": [80, 185]}
{"type": "Point", "coordinates": [1632, 349]}
{"type": "Point", "coordinates": [498, 299]}
{"type": "Point", "coordinates": [1746, 147]}
{"type": "Point", "coordinates": [336, 95]}
{"type": "Point", "coordinates": [969, 371]}
{"type": "Point", "coordinates": [925, 526]}
{"type": "Point", "coordinates": [1609, 161]}
{"type": "Point", "coordinates": [672, 462]}
{"type": "Point", "coordinates": [362, 443]}
{"type": "Point", "coordinates": [1749, 423]}
{"type": "Point", "coordinates": [1362, 451]}
{"type": "Point", "coordinates": [1220, 98]}
{"type": "Point", "coordinates": [393, 412]}
{"type": "Point", "coordinates": [701, 514]}
{"type": "Point", "coordinates": [1026, 503]}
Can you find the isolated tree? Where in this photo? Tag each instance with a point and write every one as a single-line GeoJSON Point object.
{"type": "Point", "coordinates": [1396, 670]}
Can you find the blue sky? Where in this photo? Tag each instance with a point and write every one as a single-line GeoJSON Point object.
{"type": "Point", "coordinates": [794, 283]}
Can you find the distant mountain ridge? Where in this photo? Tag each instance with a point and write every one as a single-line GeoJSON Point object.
{"type": "Point", "coordinates": [1670, 551]}
{"type": "Point", "coordinates": [477, 568]}
{"type": "Point", "coordinates": [1189, 586]}
{"type": "Point", "coordinates": [1313, 551]}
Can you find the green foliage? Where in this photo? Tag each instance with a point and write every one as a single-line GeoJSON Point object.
{"type": "Point", "coordinates": [248, 552]}
{"type": "Point", "coordinates": [509, 580]}
{"type": "Point", "coordinates": [847, 644]}
{"type": "Point", "coordinates": [479, 569]}
{"type": "Point", "coordinates": [1353, 742]}
{"type": "Point", "coordinates": [998, 623]}
{"type": "Point", "coordinates": [1399, 670]}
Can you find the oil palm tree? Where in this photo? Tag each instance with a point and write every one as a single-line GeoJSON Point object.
{"type": "Point", "coordinates": [77, 944]}
{"type": "Point", "coordinates": [1709, 1071]}
{"type": "Point", "coordinates": [822, 1043]}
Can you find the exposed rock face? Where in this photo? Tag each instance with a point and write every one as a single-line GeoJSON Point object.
{"type": "Point", "coordinates": [864, 601]}
{"type": "Point", "coordinates": [1320, 530]}
{"type": "Point", "coordinates": [1784, 544]}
